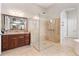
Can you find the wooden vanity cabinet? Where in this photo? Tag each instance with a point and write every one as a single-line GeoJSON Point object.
{"type": "Point", "coordinates": [4, 42]}
{"type": "Point", "coordinates": [14, 41]}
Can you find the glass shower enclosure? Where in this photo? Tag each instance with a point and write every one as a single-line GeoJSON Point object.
{"type": "Point", "coordinates": [40, 33]}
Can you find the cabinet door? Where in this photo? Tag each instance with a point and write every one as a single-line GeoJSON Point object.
{"type": "Point", "coordinates": [16, 42]}
{"type": "Point", "coordinates": [12, 41]}
{"type": "Point", "coordinates": [4, 42]}
{"type": "Point", "coordinates": [27, 39]}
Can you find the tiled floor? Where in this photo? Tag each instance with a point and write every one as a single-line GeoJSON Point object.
{"type": "Point", "coordinates": [54, 50]}
{"type": "Point", "coordinates": [46, 43]}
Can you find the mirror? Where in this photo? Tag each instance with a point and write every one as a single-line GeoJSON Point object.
{"type": "Point", "coordinates": [14, 23]}
{"type": "Point", "coordinates": [17, 24]}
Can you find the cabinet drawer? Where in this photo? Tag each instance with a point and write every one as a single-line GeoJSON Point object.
{"type": "Point", "coordinates": [27, 35]}
{"type": "Point", "coordinates": [21, 44]}
{"type": "Point", "coordinates": [12, 35]}
{"type": "Point", "coordinates": [27, 43]}
{"type": "Point", "coordinates": [27, 39]}
{"type": "Point", "coordinates": [21, 37]}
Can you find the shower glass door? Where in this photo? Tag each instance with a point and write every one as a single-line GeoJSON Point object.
{"type": "Point", "coordinates": [46, 32]}
{"type": "Point", "coordinates": [33, 27]}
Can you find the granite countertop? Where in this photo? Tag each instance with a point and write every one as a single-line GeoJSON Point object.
{"type": "Point", "coordinates": [13, 32]}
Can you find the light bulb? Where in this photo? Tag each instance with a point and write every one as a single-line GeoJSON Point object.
{"type": "Point", "coordinates": [51, 21]}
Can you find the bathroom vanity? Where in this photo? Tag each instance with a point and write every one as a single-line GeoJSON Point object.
{"type": "Point", "coordinates": [14, 32]}
{"type": "Point", "coordinates": [10, 41]}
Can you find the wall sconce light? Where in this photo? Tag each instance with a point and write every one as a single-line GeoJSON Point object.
{"type": "Point", "coordinates": [51, 21]}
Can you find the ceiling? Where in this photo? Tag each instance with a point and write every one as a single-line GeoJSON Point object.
{"type": "Point", "coordinates": [44, 5]}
